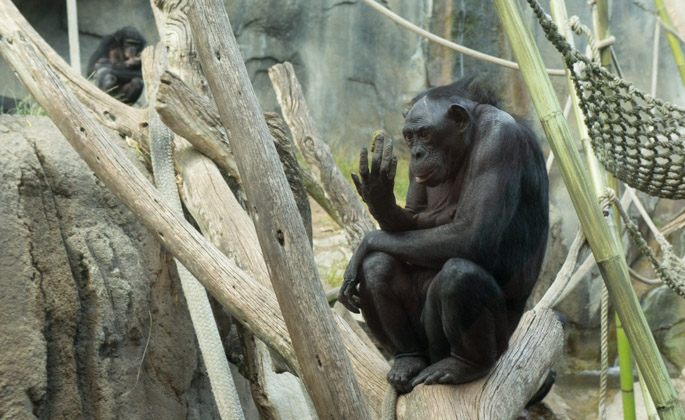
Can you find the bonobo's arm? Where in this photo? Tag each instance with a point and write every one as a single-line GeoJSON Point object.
{"type": "Point", "coordinates": [376, 188]}
{"type": "Point", "coordinates": [487, 204]}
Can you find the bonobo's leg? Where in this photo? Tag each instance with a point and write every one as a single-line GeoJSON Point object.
{"type": "Point", "coordinates": [129, 92]}
{"type": "Point", "coordinates": [391, 301]}
{"type": "Point", "coordinates": [104, 78]}
{"type": "Point", "coordinates": [465, 319]}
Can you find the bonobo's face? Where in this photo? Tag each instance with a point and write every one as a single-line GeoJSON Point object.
{"type": "Point", "coordinates": [132, 48]}
{"type": "Point", "coordinates": [434, 133]}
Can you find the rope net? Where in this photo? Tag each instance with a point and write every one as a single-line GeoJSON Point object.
{"type": "Point", "coordinates": [638, 138]}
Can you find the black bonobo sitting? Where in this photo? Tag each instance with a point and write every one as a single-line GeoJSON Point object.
{"type": "Point", "coordinates": [115, 65]}
{"type": "Point", "coordinates": [443, 285]}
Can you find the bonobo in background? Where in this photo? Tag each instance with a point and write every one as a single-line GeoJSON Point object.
{"type": "Point", "coordinates": [443, 285]}
{"type": "Point", "coordinates": [115, 65]}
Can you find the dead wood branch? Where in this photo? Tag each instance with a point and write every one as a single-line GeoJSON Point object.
{"type": "Point", "coordinates": [196, 118]}
{"type": "Point", "coordinates": [502, 394]}
{"type": "Point", "coordinates": [354, 219]}
{"type": "Point", "coordinates": [253, 304]}
{"type": "Point", "coordinates": [326, 369]}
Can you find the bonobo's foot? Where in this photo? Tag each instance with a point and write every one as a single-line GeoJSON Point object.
{"type": "Point", "coordinates": [404, 369]}
{"type": "Point", "coordinates": [449, 370]}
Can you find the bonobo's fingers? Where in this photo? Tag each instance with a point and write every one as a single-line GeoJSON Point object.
{"type": "Point", "coordinates": [348, 296]}
{"type": "Point", "coordinates": [393, 168]}
{"type": "Point", "coordinates": [377, 151]}
{"type": "Point", "coordinates": [358, 184]}
{"type": "Point", "coordinates": [386, 160]}
{"type": "Point", "coordinates": [364, 164]}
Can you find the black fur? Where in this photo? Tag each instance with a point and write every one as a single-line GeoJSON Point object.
{"type": "Point", "coordinates": [115, 65]}
{"type": "Point", "coordinates": [443, 285]}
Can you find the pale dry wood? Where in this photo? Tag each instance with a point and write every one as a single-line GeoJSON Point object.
{"type": "Point", "coordinates": [501, 395]}
{"type": "Point", "coordinates": [196, 118]}
{"type": "Point", "coordinates": [126, 120]}
{"type": "Point", "coordinates": [291, 168]}
{"type": "Point", "coordinates": [200, 172]}
{"type": "Point", "coordinates": [354, 219]}
{"type": "Point", "coordinates": [253, 304]}
{"type": "Point", "coordinates": [676, 11]}
{"type": "Point", "coordinates": [326, 369]}
{"type": "Point", "coordinates": [674, 225]}
{"type": "Point", "coordinates": [208, 339]}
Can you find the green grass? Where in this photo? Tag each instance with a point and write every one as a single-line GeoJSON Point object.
{"type": "Point", "coordinates": [334, 274]}
{"type": "Point", "coordinates": [349, 164]}
{"type": "Point", "coordinates": [27, 106]}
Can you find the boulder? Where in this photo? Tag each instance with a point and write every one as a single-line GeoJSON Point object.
{"type": "Point", "coordinates": [93, 321]}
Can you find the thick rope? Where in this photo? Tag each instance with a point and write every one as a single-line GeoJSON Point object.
{"type": "Point", "coordinates": [672, 269]}
{"type": "Point", "coordinates": [449, 44]}
{"type": "Point", "coordinates": [637, 137]}
{"type": "Point", "coordinates": [389, 407]}
{"type": "Point", "coordinates": [201, 315]}
{"type": "Point", "coordinates": [604, 354]}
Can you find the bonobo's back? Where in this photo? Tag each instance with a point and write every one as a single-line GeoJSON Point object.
{"type": "Point", "coordinates": [523, 244]}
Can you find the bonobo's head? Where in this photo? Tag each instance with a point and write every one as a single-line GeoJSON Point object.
{"type": "Point", "coordinates": [438, 129]}
{"type": "Point", "coordinates": [131, 41]}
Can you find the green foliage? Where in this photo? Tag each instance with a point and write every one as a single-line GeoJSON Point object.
{"type": "Point", "coordinates": [26, 106]}
{"type": "Point", "coordinates": [334, 273]}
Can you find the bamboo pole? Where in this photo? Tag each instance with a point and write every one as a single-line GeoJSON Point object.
{"type": "Point", "coordinates": [610, 261]}
{"type": "Point", "coordinates": [672, 39]}
{"type": "Point", "coordinates": [326, 369]}
{"type": "Point", "coordinates": [600, 21]}
{"type": "Point", "coordinates": [598, 180]}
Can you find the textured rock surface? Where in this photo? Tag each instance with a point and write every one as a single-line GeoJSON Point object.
{"type": "Point", "coordinates": [665, 312]}
{"type": "Point", "coordinates": [356, 67]}
{"type": "Point", "coordinates": [83, 285]}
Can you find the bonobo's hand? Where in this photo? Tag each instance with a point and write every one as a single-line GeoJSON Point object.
{"type": "Point", "coordinates": [376, 187]}
{"type": "Point", "coordinates": [349, 290]}
{"type": "Point", "coordinates": [133, 62]}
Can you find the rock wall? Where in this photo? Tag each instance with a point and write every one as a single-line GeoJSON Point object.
{"type": "Point", "coordinates": [94, 324]}
{"type": "Point", "coordinates": [357, 68]}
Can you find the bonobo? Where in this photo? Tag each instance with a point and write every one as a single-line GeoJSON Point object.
{"type": "Point", "coordinates": [115, 65]}
{"type": "Point", "coordinates": [443, 285]}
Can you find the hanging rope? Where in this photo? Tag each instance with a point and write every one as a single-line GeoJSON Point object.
{"type": "Point", "coordinates": [672, 269]}
{"type": "Point", "coordinates": [638, 138]}
{"type": "Point", "coordinates": [449, 44]}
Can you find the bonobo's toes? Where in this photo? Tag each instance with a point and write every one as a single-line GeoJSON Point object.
{"type": "Point", "coordinates": [449, 371]}
{"type": "Point", "coordinates": [403, 370]}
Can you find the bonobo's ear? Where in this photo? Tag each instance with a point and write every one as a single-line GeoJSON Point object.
{"type": "Point", "coordinates": [405, 112]}
{"type": "Point", "coordinates": [460, 115]}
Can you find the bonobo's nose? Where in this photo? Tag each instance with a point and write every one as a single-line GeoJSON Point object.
{"type": "Point", "coordinates": [418, 153]}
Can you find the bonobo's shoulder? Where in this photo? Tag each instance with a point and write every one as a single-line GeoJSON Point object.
{"type": "Point", "coordinates": [490, 116]}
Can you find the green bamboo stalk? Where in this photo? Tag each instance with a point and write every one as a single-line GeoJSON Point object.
{"type": "Point", "coordinates": [600, 21]}
{"type": "Point", "coordinates": [672, 39]}
{"type": "Point", "coordinates": [610, 261]}
{"type": "Point", "coordinates": [625, 364]}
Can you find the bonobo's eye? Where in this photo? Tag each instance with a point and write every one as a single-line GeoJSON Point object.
{"type": "Point", "coordinates": [409, 137]}
{"type": "Point", "coordinates": [423, 133]}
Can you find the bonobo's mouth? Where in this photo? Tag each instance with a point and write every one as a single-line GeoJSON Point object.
{"type": "Point", "coordinates": [423, 179]}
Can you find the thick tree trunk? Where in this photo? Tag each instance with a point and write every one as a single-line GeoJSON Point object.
{"type": "Point", "coordinates": [326, 370]}
{"type": "Point", "coordinates": [502, 394]}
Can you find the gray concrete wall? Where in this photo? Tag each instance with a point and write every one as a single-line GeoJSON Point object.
{"type": "Point", "coordinates": [357, 68]}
